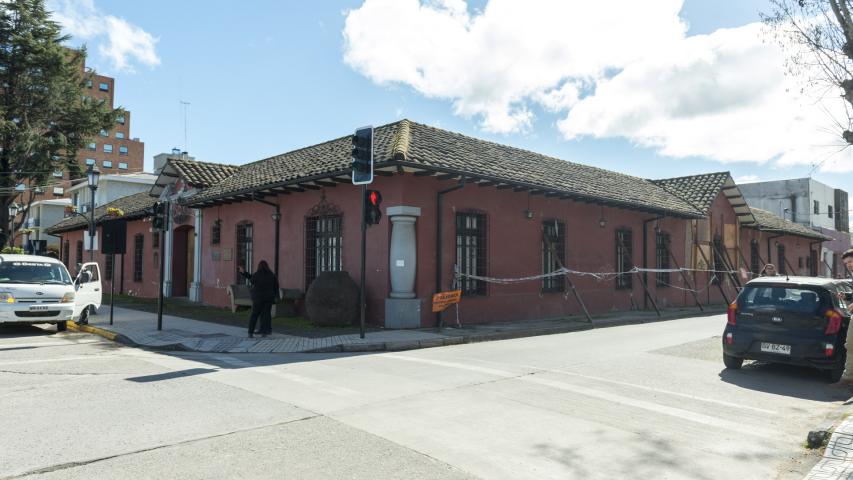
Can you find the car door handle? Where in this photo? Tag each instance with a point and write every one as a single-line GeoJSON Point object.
{"type": "Point", "coordinates": [97, 289]}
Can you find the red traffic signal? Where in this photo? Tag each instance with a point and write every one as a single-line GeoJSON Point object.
{"type": "Point", "coordinates": [372, 212]}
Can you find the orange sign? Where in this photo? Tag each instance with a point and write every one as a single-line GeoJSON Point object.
{"type": "Point", "coordinates": [442, 300]}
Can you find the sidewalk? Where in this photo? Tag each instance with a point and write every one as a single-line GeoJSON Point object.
{"type": "Point", "coordinates": [139, 329]}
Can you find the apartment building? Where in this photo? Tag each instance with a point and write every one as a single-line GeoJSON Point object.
{"type": "Point", "coordinates": [813, 204]}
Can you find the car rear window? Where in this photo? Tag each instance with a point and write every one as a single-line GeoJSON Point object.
{"type": "Point", "coordinates": [34, 272]}
{"type": "Point", "coordinates": [781, 298]}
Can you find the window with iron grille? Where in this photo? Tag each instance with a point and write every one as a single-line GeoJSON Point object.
{"type": "Point", "coordinates": [553, 255]}
{"type": "Point", "coordinates": [780, 254]}
{"type": "Point", "coordinates": [624, 263]}
{"type": "Point", "coordinates": [79, 251]}
{"type": "Point", "coordinates": [754, 258]}
{"type": "Point", "coordinates": [138, 251]}
{"type": "Point", "coordinates": [155, 240]}
{"type": "Point", "coordinates": [719, 264]}
{"type": "Point", "coordinates": [66, 254]}
{"type": "Point", "coordinates": [216, 232]}
{"type": "Point", "coordinates": [323, 245]}
{"type": "Point", "coordinates": [662, 258]}
{"type": "Point", "coordinates": [243, 257]}
{"type": "Point", "coordinates": [471, 251]}
{"type": "Point", "coordinates": [108, 267]}
{"type": "Point", "coordinates": [812, 261]}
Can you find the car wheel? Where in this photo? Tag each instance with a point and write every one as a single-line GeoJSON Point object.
{"type": "Point", "coordinates": [84, 317]}
{"type": "Point", "coordinates": [834, 375]}
{"type": "Point", "coordinates": [732, 362]}
{"type": "Point", "coordinates": [61, 326]}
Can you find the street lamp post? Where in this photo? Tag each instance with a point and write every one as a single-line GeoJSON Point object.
{"type": "Point", "coordinates": [13, 212]}
{"type": "Point", "coordinates": [92, 175]}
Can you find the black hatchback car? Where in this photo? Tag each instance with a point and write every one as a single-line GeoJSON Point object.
{"type": "Point", "coordinates": [793, 320]}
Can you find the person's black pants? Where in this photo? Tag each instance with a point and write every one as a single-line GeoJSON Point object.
{"type": "Point", "coordinates": [262, 311]}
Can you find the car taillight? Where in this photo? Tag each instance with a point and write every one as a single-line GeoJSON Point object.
{"type": "Point", "coordinates": [828, 349]}
{"type": "Point", "coordinates": [730, 339]}
{"type": "Point", "coordinates": [834, 320]}
{"type": "Point", "coordinates": [731, 313]}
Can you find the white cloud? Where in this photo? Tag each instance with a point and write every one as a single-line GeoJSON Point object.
{"type": "Point", "coordinates": [723, 96]}
{"type": "Point", "coordinates": [747, 179]}
{"type": "Point", "coordinates": [493, 64]}
{"type": "Point", "coordinates": [610, 69]}
{"type": "Point", "coordinates": [118, 40]}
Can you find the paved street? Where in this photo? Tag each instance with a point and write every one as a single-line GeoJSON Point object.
{"type": "Point", "coordinates": [638, 401]}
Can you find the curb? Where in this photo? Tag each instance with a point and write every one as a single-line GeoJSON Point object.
{"type": "Point", "coordinates": [112, 336]}
{"type": "Point", "coordinates": [401, 345]}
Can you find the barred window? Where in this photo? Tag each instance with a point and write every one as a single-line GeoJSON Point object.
{"type": "Point", "coordinates": [155, 240]}
{"type": "Point", "coordinates": [754, 258]}
{"type": "Point", "coordinates": [553, 255]}
{"type": "Point", "coordinates": [782, 268]}
{"type": "Point", "coordinates": [662, 258]}
{"type": "Point", "coordinates": [79, 251]}
{"type": "Point", "coordinates": [244, 250]}
{"type": "Point", "coordinates": [624, 264]}
{"type": "Point", "coordinates": [323, 244]}
{"type": "Point", "coordinates": [108, 267]}
{"type": "Point", "coordinates": [471, 251]}
{"type": "Point", "coordinates": [216, 232]}
{"type": "Point", "coordinates": [66, 254]}
{"type": "Point", "coordinates": [138, 252]}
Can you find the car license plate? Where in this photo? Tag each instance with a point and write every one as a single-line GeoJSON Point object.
{"type": "Point", "coordinates": [39, 308]}
{"type": "Point", "coordinates": [775, 348]}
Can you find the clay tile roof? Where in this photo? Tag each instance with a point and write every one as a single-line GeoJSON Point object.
{"type": "Point", "coordinates": [699, 190]}
{"type": "Point", "coordinates": [770, 222]}
{"type": "Point", "coordinates": [415, 146]}
{"type": "Point", "coordinates": [134, 206]}
{"type": "Point", "coordinates": [202, 174]}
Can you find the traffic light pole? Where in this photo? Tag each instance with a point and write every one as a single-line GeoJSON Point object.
{"type": "Point", "coordinates": [363, 255]}
{"type": "Point", "coordinates": [162, 266]}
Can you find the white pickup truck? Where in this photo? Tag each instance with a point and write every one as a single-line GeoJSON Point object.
{"type": "Point", "coordinates": [35, 289]}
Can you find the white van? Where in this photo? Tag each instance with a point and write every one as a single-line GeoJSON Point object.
{"type": "Point", "coordinates": [89, 292]}
{"type": "Point", "coordinates": [35, 289]}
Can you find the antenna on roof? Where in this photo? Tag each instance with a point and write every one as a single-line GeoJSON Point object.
{"type": "Point", "coordinates": [185, 105]}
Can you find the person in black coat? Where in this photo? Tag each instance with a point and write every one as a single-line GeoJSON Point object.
{"type": "Point", "coordinates": [264, 293]}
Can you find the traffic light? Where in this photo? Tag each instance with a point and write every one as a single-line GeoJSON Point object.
{"type": "Point", "coordinates": [158, 222]}
{"type": "Point", "coordinates": [362, 156]}
{"type": "Point", "coordinates": [372, 212]}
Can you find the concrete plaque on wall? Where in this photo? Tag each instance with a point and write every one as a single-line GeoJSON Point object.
{"type": "Point", "coordinates": [226, 254]}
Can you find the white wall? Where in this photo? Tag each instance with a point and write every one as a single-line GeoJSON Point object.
{"type": "Point", "coordinates": [826, 196]}
{"type": "Point", "coordinates": [110, 190]}
{"type": "Point", "coordinates": [777, 196]}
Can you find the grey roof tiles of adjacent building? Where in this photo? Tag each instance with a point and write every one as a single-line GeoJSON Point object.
{"type": "Point", "coordinates": [701, 191]}
{"type": "Point", "coordinates": [134, 207]}
{"type": "Point", "coordinates": [197, 174]}
{"type": "Point", "coordinates": [769, 222]}
{"type": "Point", "coordinates": [413, 147]}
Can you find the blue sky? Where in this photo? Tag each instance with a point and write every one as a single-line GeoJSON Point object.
{"type": "Point", "coordinates": [285, 74]}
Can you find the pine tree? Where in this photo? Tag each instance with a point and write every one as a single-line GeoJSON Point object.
{"type": "Point", "coordinates": [45, 119]}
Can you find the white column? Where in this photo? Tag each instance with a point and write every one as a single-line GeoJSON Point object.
{"type": "Point", "coordinates": [402, 308]}
{"type": "Point", "coordinates": [403, 251]}
{"type": "Point", "coordinates": [195, 286]}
